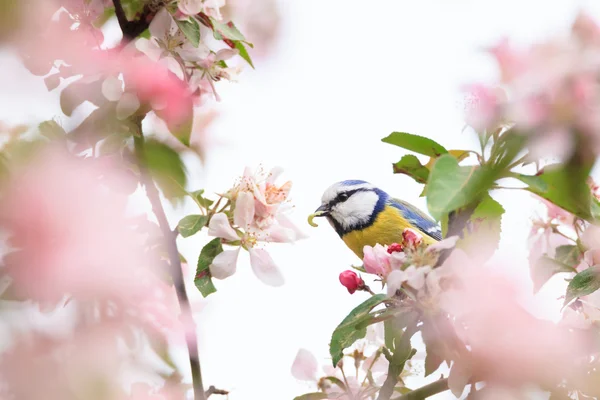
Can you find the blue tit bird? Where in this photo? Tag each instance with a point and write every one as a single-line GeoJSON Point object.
{"type": "Point", "coordinates": [363, 214]}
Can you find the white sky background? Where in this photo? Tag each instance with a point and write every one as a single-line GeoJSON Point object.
{"type": "Point", "coordinates": [344, 75]}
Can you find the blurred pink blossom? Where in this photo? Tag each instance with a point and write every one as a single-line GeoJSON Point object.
{"type": "Point", "coordinates": [71, 238]}
{"type": "Point", "coordinates": [506, 344]}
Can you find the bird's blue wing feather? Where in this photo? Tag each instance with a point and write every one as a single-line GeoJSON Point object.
{"type": "Point", "coordinates": [417, 218]}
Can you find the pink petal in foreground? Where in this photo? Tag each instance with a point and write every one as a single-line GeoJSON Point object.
{"type": "Point", "coordinates": [224, 264]}
{"type": "Point", "coordinates": [219, 226]}
{"type": "Point", "coordinates": [305, 366]}
{"type": "Point", "coordinates": [264, 267]}
{"type": "Point", "coordinates": [244, 210]}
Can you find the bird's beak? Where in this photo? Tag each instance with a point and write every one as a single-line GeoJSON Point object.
{"type": "Point", "coordinates": [322, 211]}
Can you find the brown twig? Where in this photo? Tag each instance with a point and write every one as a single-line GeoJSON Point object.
{"type": "Point", "coordinates": [213, 390]}
{"type": "Point", "coordinates": [175, 263]}
{"type": "Point", "coordinates": [132, 29]}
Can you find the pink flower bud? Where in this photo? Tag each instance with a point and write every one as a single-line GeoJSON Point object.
{"type": "Point", "coordinates": [411, 238]}
{"type": "Point", "coordinates": [395, 248]}
{"type": "Point", "coordinates": [351, 281]}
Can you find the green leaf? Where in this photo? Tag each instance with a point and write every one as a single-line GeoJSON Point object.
{"type": "Point", "coordinates": [166, 167]}
{"type": "Point", "coordinates": [52, 130]}
{"type": "Point", "coordinates": [482, 234]}
{"type": "Point", "coordinates": [568, 254]}
{"type": "Point", "coordinates": [191, 29]}
{"type": "Point", "coordinates": [536, 183]}
{"type": "Point", "coordinates": [451, 186]}
{"type": "Point", "coordinates": [312, 396]}
{"type": "Point", "coordinates": [584, 283]}
{"type": "Point", "coordinates": [79, 91]}
{"type": "Point", "coordinates": [411, 166]}
{"type": "Point", "coordinates": [203, 279]}
{"type": "Point", "coordinates": [203, 201]}
{"type": "Point", "coordinates": [567, 188]}
{"type": "Point", "coordinates": [544, 269]}
{"type": "Point", "coordinates": [347, 333]}
{"type": "Point", "coordinates": [243, 52]}
{"type": "Point", "coordinates": [191, 224]}
{"type": "Point", "coordinates": [228, 31]}
{"type": "Point", "coordinates": [416, 143]}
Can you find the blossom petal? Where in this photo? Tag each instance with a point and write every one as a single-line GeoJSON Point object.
{"type": "Point", "coordinates": [458, 378]}
{"type": "Point", "coordinates": [127, 105]}
{"type": "Point", "coordinates": [286, 222]}
{"type": "Point", "coordinates": [243, 214]}
{"type": "Point", "coordinates": [112, 88]}
{"type": "Point", "coordinates": [394, 281]}
{"type": "Point", "coordinates": [264, 267]}
{"type": "Point", "coordinates": [190, 7]}
{"type": "Point", "coordinates": [224, 264]}
{"type": "Point", "coordinates": [274, 174]}
{"type": "Point", "coordinates": [219, 226]}
{"type": "Point", "coordinates": [160, 26]}
{"type": "Point", "coordinates": [305, 366]}
{"type": "Point", "coordinates": [447, 243]}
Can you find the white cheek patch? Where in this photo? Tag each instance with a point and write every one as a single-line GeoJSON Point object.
{"type": "Point", "coordinates": [355, 211]}
{"type": "Point", "coordinates": [332, 192]}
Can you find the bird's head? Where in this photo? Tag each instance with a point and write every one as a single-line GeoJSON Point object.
{"type": "Point", "coordinates": [350, 205]}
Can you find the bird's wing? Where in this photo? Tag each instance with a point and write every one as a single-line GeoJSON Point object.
{"type": "Point", "coordinates": [417, 218]}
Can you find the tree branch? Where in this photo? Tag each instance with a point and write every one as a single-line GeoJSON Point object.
{"type": "Point", "coordinates": [213, 390]}
{"type": "Point", "coordinates": [175, 264]}
{"type": "Point", "coordinates": [427, 390]}
{"type": "Point", "coordinates": [386, 391]}
{"type": "Point", "coordinates": [132, 29]}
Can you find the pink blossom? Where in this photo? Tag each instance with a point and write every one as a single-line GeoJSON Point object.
{"type": "Point", "coordinates": [377, 260]}
{"type": "Point", "coordinates": [72, 239]}
{"type": "Point", "coordinates": [512, 62]}
{"type": "Point", "coordinates": [483, 108]}
{"type": "Point", "coordinates": [484, 305]}
{"type": "Point", "coordinates": [351, 281]}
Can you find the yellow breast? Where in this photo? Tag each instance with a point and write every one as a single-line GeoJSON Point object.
{"type": "Point", "coordinates": [386, 229]}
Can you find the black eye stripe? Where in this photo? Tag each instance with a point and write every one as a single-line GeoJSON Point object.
{"type": "Point", "coordinates": [340, 196]}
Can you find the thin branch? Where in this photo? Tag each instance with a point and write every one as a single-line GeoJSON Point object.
{"type": "Point", "coordinates": [132, 29]}
{"type": "Point", "coordinates": [175, 263]}
{"type": "Point", "coordinates": [426, 391]}
{"type": "Point", "coordinates": [213, 390]}
{"type": "Point", "coordinates": [394, 371]}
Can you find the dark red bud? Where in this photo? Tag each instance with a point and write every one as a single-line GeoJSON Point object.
{"type": "Point", "coordinates": [351, 281]}
{"type": "Point", "coordinates": [395, 248]}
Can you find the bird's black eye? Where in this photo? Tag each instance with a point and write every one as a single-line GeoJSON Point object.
{"type": "Point", "coordinates": [343, 196]}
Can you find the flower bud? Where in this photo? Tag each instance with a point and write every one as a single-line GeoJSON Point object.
{"type": "Point", "coordinates": [411, 238]}
{"type": "Point", "coordinates": [351, 281]}
{"type": "Point", "coordinates": [395, 248]}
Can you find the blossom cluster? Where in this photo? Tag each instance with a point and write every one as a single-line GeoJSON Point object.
{"type": "Point", "coordinates": [548, 91]}
{"type": "Point", "coordinates": [259, 215]}
{"type": "Point", "coordinates": [359, 375]}
{"type": "Point", "coordinates": [405, 264]}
